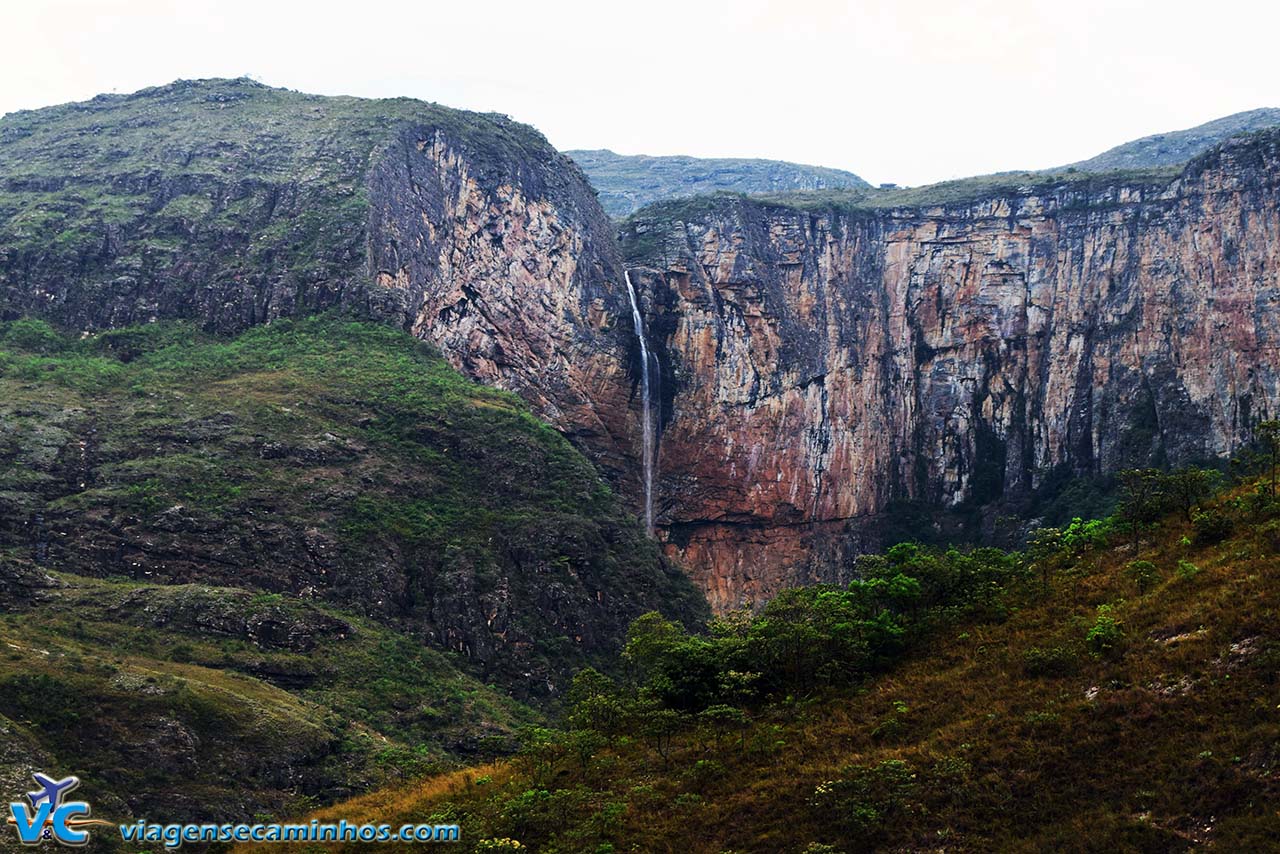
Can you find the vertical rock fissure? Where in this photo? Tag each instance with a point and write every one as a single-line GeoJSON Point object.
{"type": "Point", "coordinates": [647, 432]}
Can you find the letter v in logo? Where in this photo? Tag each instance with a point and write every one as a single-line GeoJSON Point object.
{"type": "Point", "coordinates": [29, 826]}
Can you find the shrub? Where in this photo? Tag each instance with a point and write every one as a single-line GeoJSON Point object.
{"type": "Point", "coordinates": [33, 336]}
{"type": "Point", "coordinates": [1049, 661]}
{"type": "Point", "coordinates": [1106, 636]}
{"type": "Point", "coordinates": [952, 771]}
{"type": "Point", "coordinates": [891, 726]}
{"type": "Point", "coordinates": [704, 772]}
{"type": "Point", "coordinates": [1144, 574]}
{"type": "Point", "coordinates": [1211, 526]}
{"type": "Point", "coordinates": [1080, 535]}
{"type": "Point", "coordinates": [1186, 570]}
{"type": "Point", "coordinates": [867, 799]}
{"type": "Point", "coordinates": [1257, 504]}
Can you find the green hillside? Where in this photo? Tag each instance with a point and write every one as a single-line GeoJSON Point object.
{"type": "Point", "coordinates": [1114, 688]}
{"type": "Point", "coordinates": [216, 703]}
{"type": "Point", "coordinates": [326, 459]}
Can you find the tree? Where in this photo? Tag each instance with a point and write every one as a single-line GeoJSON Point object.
{"type": "Point", "coordinates": [659, 726]}
{"type": "Point", "coordinates": [540, 749]}
{"type": "Point", "coordinates": [584, 743]}
{"type": "Point", "coordinates": [722, 719]}
{"type": "Point", "coordinates": [1043, 546]}
{"type": "Point", "coordinates": [1144, 499]}
{"type": "Point", "coordinates": [1144, 574]}
{"type": "Point", "coordinates": [1267, 435]}
{"type": "Point", "coordinates": [1189, 486]}
{"type": "Point", "coordinates": [678, 669]}
{"type": "Point", "coordinates": [594, 702]}
{"type": "Point", "coordinates": [1106, 636]}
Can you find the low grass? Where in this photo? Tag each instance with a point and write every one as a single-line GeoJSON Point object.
{"type": "Point", "coordinates": [98, 668]}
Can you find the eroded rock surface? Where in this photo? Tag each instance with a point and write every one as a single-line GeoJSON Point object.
{"type": "Point", "coordinates": [823, 363]}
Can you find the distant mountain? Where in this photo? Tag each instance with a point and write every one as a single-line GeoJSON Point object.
{"type": "Point", "coordinates": [629, 182]}
{"type": "Point", "coordinates": [1179, 146]}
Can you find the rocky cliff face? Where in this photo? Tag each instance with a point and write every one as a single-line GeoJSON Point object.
{"type": "Point", "coordinates": [234, 204]}
{"type": "Point", "coordinates": [820, 364]}
{"type": "Point", "coordinates": [823, 356]}
{"type": "Point", "coordinates": [514, 273]}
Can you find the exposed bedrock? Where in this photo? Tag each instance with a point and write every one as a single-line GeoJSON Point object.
{"type": "Point", "coordinates": [820, 364]}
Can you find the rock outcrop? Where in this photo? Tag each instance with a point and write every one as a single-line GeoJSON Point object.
{"type": "Point", "coordinates": [822, 363]}
{"type": "Point", "coordinates": [233, 204]}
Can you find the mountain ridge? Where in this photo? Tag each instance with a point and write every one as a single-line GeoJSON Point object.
{"type": "Point", "coordinates": [1171, 148]}
{"type": "Point", "coordinates": [628, 182]}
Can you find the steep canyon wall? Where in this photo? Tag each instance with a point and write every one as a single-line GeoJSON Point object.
{"type": "Point", "coordinates": [823, 363]}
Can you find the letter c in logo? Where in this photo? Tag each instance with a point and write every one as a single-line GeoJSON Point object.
{"type": "Point", "coordinates": [64, 834]}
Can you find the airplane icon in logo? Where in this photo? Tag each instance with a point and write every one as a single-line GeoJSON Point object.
{"type": "Point", "coordinates": [53, 791]}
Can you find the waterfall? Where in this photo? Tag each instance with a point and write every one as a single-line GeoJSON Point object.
{"type": "Point", "coordinates": [646, 406]}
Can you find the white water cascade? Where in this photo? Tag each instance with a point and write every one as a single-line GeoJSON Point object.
{"type": "Point", "coordinates": [646, 407]}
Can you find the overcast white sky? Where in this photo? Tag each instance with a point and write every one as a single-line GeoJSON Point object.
{"type": "Point", "coordinates": [903, 91]}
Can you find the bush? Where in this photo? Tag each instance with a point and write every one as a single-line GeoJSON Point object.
{"type": "Point", "coordinates": [1081, 535]}
{"type": "Point", "coordinates": [1144, 574]}
{"type": "Point", "coordinates": [1106, 636]}
{"type": "Point", "coordinates": [1211, 526]}
{"type": "Point", "coordinates": [1186, 570]}
{"type": "Point", "coordinates": [867, 799]}
{"type": "Point", "coordinates": [704, 773]}
{"type": "Point", "coordinates": [1049, 661]}
{"type": "Point", "coordinates": [1258, 504]}
{"type": "Point", "coordinates": [891, 727]}
{"type": "Point", "coordinates": [32, 336]}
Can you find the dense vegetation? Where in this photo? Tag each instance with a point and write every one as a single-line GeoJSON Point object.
{"type": "Point", "coordinates": [1112, 687]}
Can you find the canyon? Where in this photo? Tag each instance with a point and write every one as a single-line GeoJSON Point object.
{"type": "Point", "coordinates": [823, 356]}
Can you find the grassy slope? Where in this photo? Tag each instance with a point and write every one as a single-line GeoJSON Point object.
{"type": "Point", "coordinates": [158, 714]}
{"type": "Point", "coordinates": [325, 504]}
{"type": "Point", "coordinates": [331, 459]}
{"type": "Point", "coordinates": [1172, 745]}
